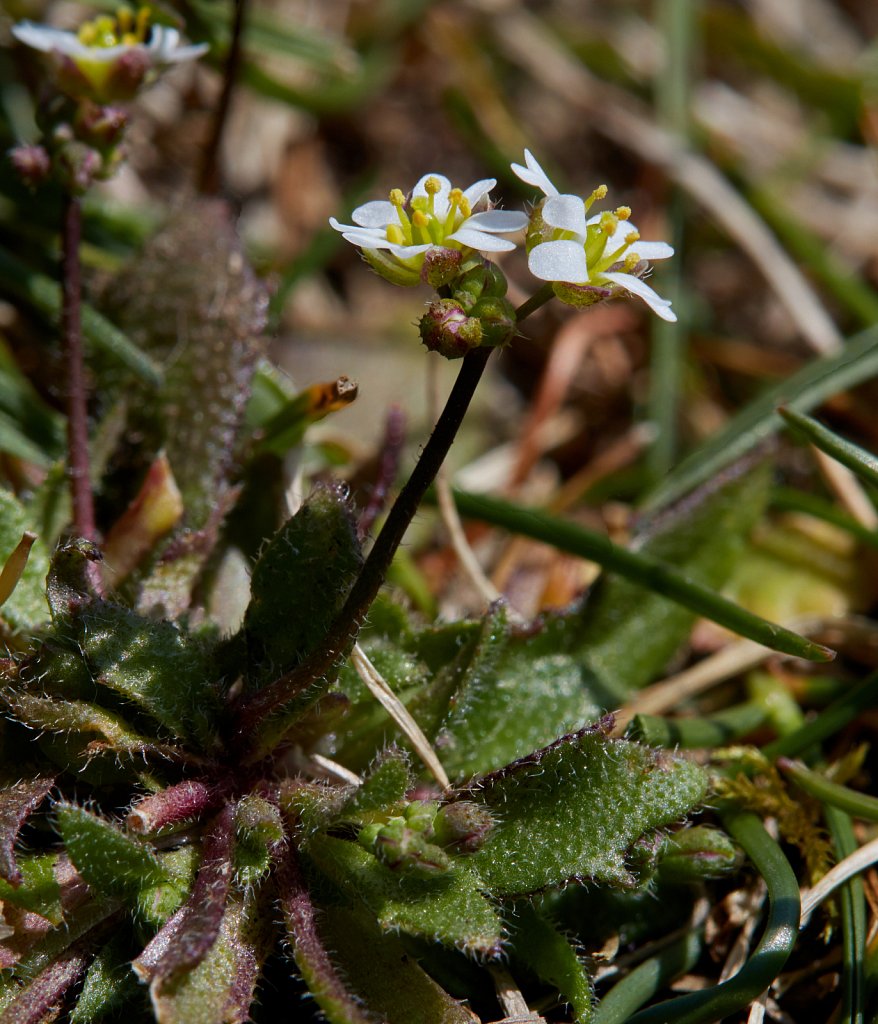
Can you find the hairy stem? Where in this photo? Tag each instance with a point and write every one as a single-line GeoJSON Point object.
{"type": "Point", "coordinates": [209, 178]}
{"type": "Point", "coordinates": [77, 405]}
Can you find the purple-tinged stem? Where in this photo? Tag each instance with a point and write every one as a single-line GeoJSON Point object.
{"type": "Point", "coordinates": [209, 178]}
{"type": "Point", "coordinates": [77, 399]}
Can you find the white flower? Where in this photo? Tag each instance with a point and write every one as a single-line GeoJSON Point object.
{"type": "Point", "coordinates": [589, 258]}
{"type": "Point", "coordinates": [109, 57]}
{"type": "Point", "coordinates": [435, 217]}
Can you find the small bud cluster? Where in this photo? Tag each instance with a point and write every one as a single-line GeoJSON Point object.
{"type": "Point", "coordinates": [95, 69]}
{"type": "Point", "coordinates": [420, 840]}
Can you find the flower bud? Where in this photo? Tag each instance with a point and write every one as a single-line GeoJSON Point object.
{"type": "Point", "coordinates": [404, 848]}
{"type": "Point", "coordinates": [77, 166]}
{"type": "Point", "coordinates": [497, 318]}
{"type": "Point", "coordinates": [486, 279]}
{"type": "Point", "coordinates": [445, 328]}
{"type": "Point", "coordinates": [698, 854]}
{"type": "Point", "coordinates": [99, 126]}
{"type": "Point", "coordinates": [463, 825]}
{"type": "Point", "coordinates": [31, 164]}
{"type": "Point", "coordinates": [440, 266]}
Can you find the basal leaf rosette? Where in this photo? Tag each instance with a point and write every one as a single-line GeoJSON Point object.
{"type": "Point", "coordinates": [588, 259]}
{"type": "Point", "coordinates": [108, 59]}
{"type": "Point", "coordinates": [431, 234]}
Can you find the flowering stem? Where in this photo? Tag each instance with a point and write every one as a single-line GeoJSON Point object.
{"type": "Point", "coordinates": [209, 177]}
{"type": "Point", "coordinates": [343, 630]}
{"type": "Point", "coordinates": [77, 407]}
{"type": "Point", "coordinates": [531, 305]}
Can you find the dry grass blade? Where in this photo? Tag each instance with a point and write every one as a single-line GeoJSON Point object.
{"type": "Point", "coordinates": [847, 488]}
{"type": "Point", "coordinates": [858, 861]}
{"type": "Point", "coordinates": [399, 713]}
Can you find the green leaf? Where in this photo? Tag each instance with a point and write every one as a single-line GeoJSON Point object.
{"type": "Point", "coordinates": [299, 585]}
{"type": "Point", "coordinates": [39, 890]}
{"type": "Point", "coordinates": [537, 943]}
{"type": "Point", "coordinates": [516, 693]}
{"type": "Point", "coordinates": [859, 461]}
{"type": "Point", "coordinates": [154, 664]}
{"type": "Point", "coordinates": [26, 609]}
{"type": "Point", "coordinates": [109, 985]}
{"type": "Point", "coordinates": [385, 786]}
{"type": "Point", "coordinates": [220, 989]}
{"type": "Point", "coordinates": [258, 830]}
{"type": "Point", "coordinates": [109, 860]}
{"type": "Point", "coordinates": [574, 809]}
{"type": "Point", "coordinates": [804, 391]}
{"type": "Point", "coordinates": [378, 969]}
{"type": "Point", "coordinates": [448, 908]}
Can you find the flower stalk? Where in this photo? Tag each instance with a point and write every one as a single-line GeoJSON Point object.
{"type": "Point", "coordinates": [78, 466]}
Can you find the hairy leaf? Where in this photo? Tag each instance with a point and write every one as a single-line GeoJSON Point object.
{"type": "Point", "coordinates": [299, 584]}
{"type": "Point", "coordinates": [386, 785]}
{"type": "Point", "coordinates": [378, 969]}
{"type": "Point", "coordinates": [449, 907]}
{"type": "Point", "coordinates": [17, 803]}
{"type": "Point", "coordinates": [38, 890]}
{"type": "Point", "coordinates": [574, 809]}
{"type": "Point", "coordinates": [110, 861]}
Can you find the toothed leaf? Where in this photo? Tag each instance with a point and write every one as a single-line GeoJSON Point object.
{"type": "Point", "coordinates": [574, 809]}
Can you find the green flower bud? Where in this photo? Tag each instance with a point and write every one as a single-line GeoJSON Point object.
{"type": "Point", "coordinates": [486, 279]}
{"type": "Point", "coordinates": [445, 328]}
{"type": "Point", "coordinates": [497, 317]}
{"type": "Point", "coordinates": [698, 854]}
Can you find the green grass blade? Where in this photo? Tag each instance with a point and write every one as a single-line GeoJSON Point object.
{"type": "Point", "coordinates": [639, 568]}
{"type": "Point", "coordinates": [790, 500]}
{"type": "Point", "coordinates": [804, 391]}
{"type": "Point", "coordinates": [846, 452]}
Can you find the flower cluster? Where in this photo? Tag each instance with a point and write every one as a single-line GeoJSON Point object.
{"type": "Point", "coordinates": [434, 235]}
{"type": "Point", "coordinates": [103, 64]}
{"type": "Point", "coordinates": [109, 58]}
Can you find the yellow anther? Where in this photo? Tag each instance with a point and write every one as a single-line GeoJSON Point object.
{"type": "Point", "coordinates": [129, 39]}
{"type": "Point", "coordinates": [623, 212]}
{"type": "Point", "coordinates": [395, 235]}
{"type": "Point", "coordinates": [432, 186]}
{"type": "Point", "coordinates": [465, 207]}
{"type": "Point", "coordinates": [420, 219]}
{"type": "Point", "coordinates": [599, 192]}
{"type": "Point", "coordinates": [455, 197]}
{"type": "Point", "coordinates": [144, 17]}
{"type": "Point", "coordinates": [609, 223]}
{"type": "Point", "coordinates": [397, 197]}
{"type": "Point", "coordinates": [630, 262]}
{"type": "Point", "coordinates": [632, 237]}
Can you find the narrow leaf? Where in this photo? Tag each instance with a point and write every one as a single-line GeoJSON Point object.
{"type": "Point", "coordinates": [26, 607]}
{"type": "Point", "coordinates": [804, 391]}
{"type": "Point", "coordinates": [38, 891]}
{"type": "Point", "coordinates": [17, 803]}
{"type": "Point", "coordinates": [340, 1005]}
{"type": "Point", "coordinates": [858, 460]}
{"type": "Point", "coordinates": [110, 861]}
{"type": "Point", "coordinates": [574, 809]}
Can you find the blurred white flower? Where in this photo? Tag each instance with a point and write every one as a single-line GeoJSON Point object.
{"type": "Point", "coordinates": [396, 235]}
{"type": "Point", "coordinates": [588, 258]}
{"type": "Point", "coordinates": [108, 58]}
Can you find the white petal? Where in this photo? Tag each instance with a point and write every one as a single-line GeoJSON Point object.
{"type": "Point", "coordinates": [366, 239]}
{"type": "Point", "coordinates": [478, 190]}
{"type": "Point", "coordinates": [534, 175]}
{"type": "Point", "coordinates": [481, 241]}
{"type": "Point", "coordinates": [404, 252]}
{"type": "Point", "coordinates": [652, 250]}
{"type": "Point", "coordinates": [377, 214]}
{"type": "Point", "coordinates": [659, 306]}
{"type": "Point", "coordinates": [46, 39]}
{"type": "Point", "coordinates": [444, 183]}
{"type": "Point", "coordinates": [497, 220]}
{"type": "Point", "coordinates": [567, 213]}
{"type": "Point", "coordinates": [559, 261]}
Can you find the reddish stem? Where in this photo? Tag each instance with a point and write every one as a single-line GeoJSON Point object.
{"type": "Point", "coordinates": [77, 401]}
{"type": "Point", "coordinates": [209, 178]}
